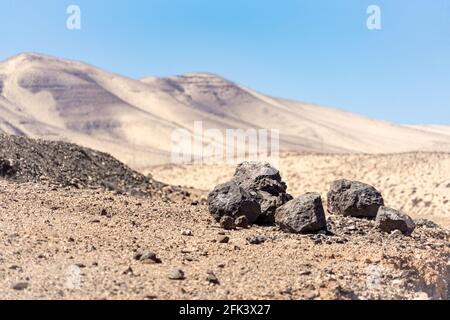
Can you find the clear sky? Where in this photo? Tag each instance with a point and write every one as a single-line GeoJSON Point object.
{"type": "Point", "coordinates": [317, 51]}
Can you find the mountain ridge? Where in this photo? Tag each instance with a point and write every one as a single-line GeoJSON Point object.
{"type": "Point", "coordinates": [53, 98]}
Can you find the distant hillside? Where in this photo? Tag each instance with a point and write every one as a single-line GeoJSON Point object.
{"type": "Point", "coordinates": [45, 97]}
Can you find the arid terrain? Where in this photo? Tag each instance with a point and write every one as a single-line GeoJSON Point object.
{"type": "Point", "coordinates": [58, 244]}
{"type": "Point", "coordinates": [121, 221]}
{"type": "Point", "coordinates": [66, 239]}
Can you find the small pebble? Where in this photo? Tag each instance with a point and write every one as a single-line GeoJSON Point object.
{"type": "Point", "coordinates": [20, 286]}
{"type": "Point", "coordinates": [224, 239]}
{"type": "Point", "coordinates": [187, 233]}
{"type": "Point", "coordinates": [147, 257]}
{"type": "Point", "coordinates": [227, 223]}
{"type": "Point", "coordinates": [177, 274]}
{"type": "Point", "coordinates": [211, 278]}
{"type": "Point", "coordinates": [256, 239]}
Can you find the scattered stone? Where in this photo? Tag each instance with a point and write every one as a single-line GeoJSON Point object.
{"type": "Point", "coordinates": [389, 220]}
{"type": "Point", "coordinates": [355, 199]}
{"type": "Point", "coordinates": [16, 268]}
{"type": "Point", "coordinates": [286, 291]}
{"type": "Point", "coordinates": [224, 239]}
{"type": "Point", "coordinates": [227, 223]}
{"type": "Point", "coordinates": [20, 286]}
{"type": "Point", "coordinates": [241, 222]}
{"type": "Point", "coordinates": [177, 274]}
{"type": "Point", "coordinates": [211, 278]}
{"type": "Point", "coordinates": [128, 271]}
{"type": "Point", "coordinates": [302, 215]}
{"type": "Point", "coordinates": [256, 239]}
{"type": "Point", "coordinates": [147, 257]}
{"type": "Point", "coordinates": [424, 223]}
{"type": "Point", "coordinates": [263, 182]}
{"type": "Point", "coordinates": [187, 233]}
{"type": "Point", "coordinates": [231, 200]}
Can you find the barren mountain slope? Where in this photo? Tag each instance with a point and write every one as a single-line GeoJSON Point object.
{"type": "Point", "coordinates": [441, 129]}
{"type": "Point", "coordinates": [133, 120]}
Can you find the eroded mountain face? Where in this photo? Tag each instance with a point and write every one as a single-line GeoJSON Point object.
{"type": "Point", "coordinates": [207, 92]}
{"type": "Point", "coordinates": [134, 120]}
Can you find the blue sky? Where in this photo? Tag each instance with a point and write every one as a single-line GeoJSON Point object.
{"type": "Point", "coordinates": [317, 51]}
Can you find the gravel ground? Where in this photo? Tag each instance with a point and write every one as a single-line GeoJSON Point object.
{"type": "Point", "coordinates": [69, 243]}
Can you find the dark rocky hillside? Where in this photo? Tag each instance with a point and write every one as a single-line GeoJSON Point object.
{"type": "Point", "coordinates": [68, 165]}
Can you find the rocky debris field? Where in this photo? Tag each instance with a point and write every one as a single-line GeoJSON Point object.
{"type": "Point", "coordinates": [95, 244]}
{"type": "Point", "coordinates": [415, 183]}
{"type": "Point", "coordinates": [61, 164]}
{"type": "Point", "coordinates": [257, 191]}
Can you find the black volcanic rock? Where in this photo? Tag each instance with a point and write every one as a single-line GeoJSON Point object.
{"type": "Point", "coordinates": [355, 199]}
{"type": "Point", "coordinates": [229, 199]}
{"type": "Point", "coordinates": [264, 182]}
{"type": "Point", "coordinates": [302, 215]}
{"type": "Point", "coordinates": [389, 220]}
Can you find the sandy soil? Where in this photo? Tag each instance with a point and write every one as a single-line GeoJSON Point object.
{"type": "Point", "coordinates": [56, 244]}
{"type": "Point", "coordinates": [417, 183]}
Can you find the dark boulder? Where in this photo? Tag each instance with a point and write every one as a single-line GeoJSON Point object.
{"type": "Point", "coordinates": [263, 182]}
{"type": "Point", "coordinates": [389, 220]}
{"type": "Point", "coordinates": [229, 199]}
{"type": "Point", "coordinates": [302, 215]}
{"type": "Point", "coordinates": [355, 199]}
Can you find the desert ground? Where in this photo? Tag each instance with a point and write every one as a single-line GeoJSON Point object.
{"type": "Point", "coordinates": [65, 234]}
{"type": "Point", "coordinates": [60, 244]}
